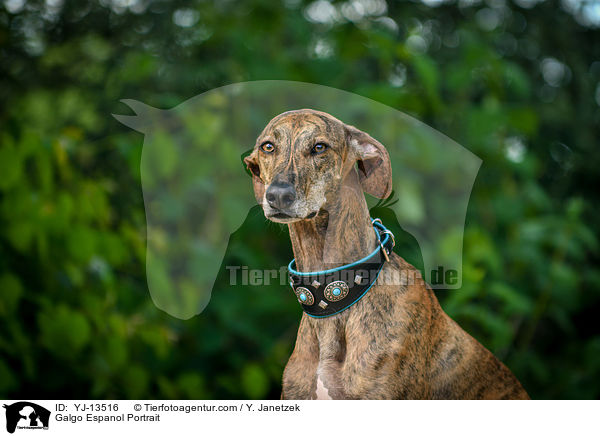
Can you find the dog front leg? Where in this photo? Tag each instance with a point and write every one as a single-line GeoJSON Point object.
{"type": "Point", "coordinates": [299, 382]}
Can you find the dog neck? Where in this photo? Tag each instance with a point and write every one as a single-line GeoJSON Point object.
{"type": "Point", "coordinates": [341, 232]}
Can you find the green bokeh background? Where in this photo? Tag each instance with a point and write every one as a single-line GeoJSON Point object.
{"type": "Point", "coordinates": [514, 82]}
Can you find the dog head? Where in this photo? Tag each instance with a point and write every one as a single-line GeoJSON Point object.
{"type": "Point", "coordinates": [302, 158]}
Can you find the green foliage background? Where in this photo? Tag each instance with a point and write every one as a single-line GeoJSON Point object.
{"type": "Point", "coordinates": [516, 83]}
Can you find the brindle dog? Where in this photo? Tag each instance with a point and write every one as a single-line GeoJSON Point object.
{"type": "Point", "coordinates": [309, 171]}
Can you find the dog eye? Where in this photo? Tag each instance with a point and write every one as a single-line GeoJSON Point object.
{"type": "Point", "coordinates": [319, 148]}
{"type": "Point", "coordinates": [267, 147]}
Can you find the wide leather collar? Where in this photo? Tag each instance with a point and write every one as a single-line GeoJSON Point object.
{"type": "Point", "coordinates": [326, 293]}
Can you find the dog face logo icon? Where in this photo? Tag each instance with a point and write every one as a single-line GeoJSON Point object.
{"type": "Point", "coordinates": [26, 415]}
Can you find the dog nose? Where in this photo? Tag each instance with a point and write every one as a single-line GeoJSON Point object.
{"type": "Point", "coordinates": [281, 195]}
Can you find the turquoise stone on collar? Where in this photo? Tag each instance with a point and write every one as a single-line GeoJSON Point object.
{"type": "Point", "coordinates": [336, 291]}
{"type": "Point", "coordinates": [304, 296]}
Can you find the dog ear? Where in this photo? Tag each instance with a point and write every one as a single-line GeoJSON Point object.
{"type": "Point", "coordinates": [373, 161]}
{"type": "Point", "coordinates": [251, 162]}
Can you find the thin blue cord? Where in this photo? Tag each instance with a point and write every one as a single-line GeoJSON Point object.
{"type": "Point", "coordinates": [339, 268]}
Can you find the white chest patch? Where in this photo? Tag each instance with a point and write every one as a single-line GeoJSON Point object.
{"type": "Point", "coordinates": [322, 391]}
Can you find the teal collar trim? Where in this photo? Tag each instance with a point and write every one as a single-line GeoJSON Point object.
{"type": "Point", "coordinates": [377, 224]}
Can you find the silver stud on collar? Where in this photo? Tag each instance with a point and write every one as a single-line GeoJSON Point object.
{"type": "Point", "coordinates": [315, 284]}
{"type": "Point", "coordinates": [357, 279]}
{"type": "Point", "coordinates": [323, 304]}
